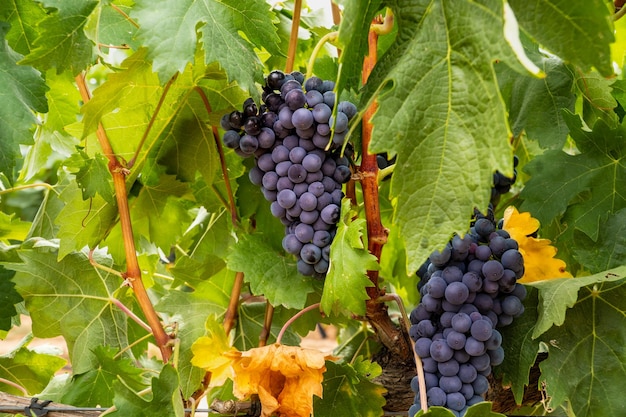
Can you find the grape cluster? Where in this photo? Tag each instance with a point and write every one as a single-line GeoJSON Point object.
{"type": "Point", "coordinates": [296, 141]}
{"type": "Point", "coordinates": [468, 290]}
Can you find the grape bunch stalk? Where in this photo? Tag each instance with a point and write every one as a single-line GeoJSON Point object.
{"type": "Point", "coordinates": [468, 291]}
{"type": "Point", "coordinates": [296, 141]}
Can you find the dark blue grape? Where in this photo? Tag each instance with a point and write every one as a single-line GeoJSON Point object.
{"type": "Point", "coordinates": [467, 373]}
{"type": "Point", "coordinates": [480, 385]}
{"type": "Point", "coordinates": [256, 176]}
{"type": "Point", "coordinates": [305, 268]}
{"type": "Point", "coordinates": [269, 181]}
{"type": "Point", "coordinates": [492, 270]}
{"type": "Point", "coordinates": [450, 384]}
{"type": "Point", "coordinates": [512, 306]}
{"type": "Point", "coordinates": [342, 174]}
{"type": "Point", "coordinates": [302, 118]}
{"type": "Point", "coordinates": [425, 328]}
{"type": "Point", "coordinates": [309, 217]}
{"type": "Point", "coordinates": [474, 347]}
{"type": "Point", "coordinates": [231, 139]}
{"type": "Point", "coordinates": [329, 98]}
{"type": "Point", "coordinates": [322, 113]}
{"type": "Point", "coordinates": [313, 97]}
{"type": "Point", "coordinates": [313, 83]}
{"type": "Point", "coordinates": [440, 258]}
{"type": "Point", "coordinates": [484, 227]}
{"type": "Point", "coordinates": [512, 259]}
{"type": "Point", "coordinates": [330, 214]}
{"type": "Point", "coordinates": [297, 173]}
{"type": "Point", "coordinates": [436, 287]}
{"type": "Point", "coordinates": [265, 162]}
{"type": "Point", "coordinates": [483, 253]}
{"type": "Point", "coordinates": [297, 154]}
{"type": "Point", "coordinates": [436, 397]}
{"type": "Point", "coordinates": [473, 281]}
{"type": "Point", "coordinates": [312, 163]}
{"type": "Point", "coordinates": [440, 351]}
{"type": "Point", "coordinates": [461, 322]}
{"type": "Point", "coordinates": [422, 347]}
{"type": "Point", "coordinates": [291, 244]}
{"type": "Point", "coordinates": [456, 293]}
{"type": "Point", "coordinates": [286, 198]}
{"type": "Point", "coordinates": [348, 108]}
{"type": "Point", "coordinates": [481, 330]}
{"type": "Point", "coordinates": [310, 253]}
{"type": "Point", "coordinates": [452, 274]}
{"type": "Point", "coordinates": [340, 122]}
{"type": "Point", "coordinates": [496, 355]}
{"type": "Point", "coordinates": [456, 340]}
{"type": "Point", "coordinates": [455, 401]}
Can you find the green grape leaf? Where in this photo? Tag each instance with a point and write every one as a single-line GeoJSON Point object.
{"type": "Point", "coordinates": [160, 213]}
{"type": "Point", "coordinates": [439, 104]}
{"type": "Point", "coordinates": [72, 299]}
{"type": "Point", "coordinates": [349, 391]}
{"type": "Point", "coordinates": [587, 185]}
{"type": "Point", "coordinates": [609, 251]}
{"type": "Point", "coordinates": [269, 272]}
{"type": "Point", "coordinates": [598, 97]}
{"type": "Point", "coordinates": [23, 16]}
{"type": "Point", "coordinates": [557, 295]}
{"type": "Point", "coordinates": [344, 289]}
{"type": "Point", "coordinates": [12, 228]}
{"type": "Point", "coordinates": [165, 399]}
{"type": "Point", "coordinates": [94, 388]}
{"type": "Point", "coordinates": [92, 175]}
{"type": "Point", "coordinates": [9, 297]}
{"type": "Point", "coordinates": [82, 222]}
{"type": "Point", "coordinates": [586, 356]}
{"type": "Point", "coordinates": [520, 349]}
{"type": "Point", "coordinates": [110, 26]}
{"type": "Point", "coordinates": [482, 409]}
{"type": "Point", "coordinates": [23, 93]}
{"type": "Point", "coordinates": [169, 28]}
{"type": "Point", "coordinates": [190, 311]}
{"type": "Point", "coordinates": [62, 43]}
{"type": "Point", "coordinates": [28, 369]}
{"type": "Point", "coordinates": [562, 26]}
{"type": "Point", "coordinates": [355, 25]}
{"type": "Point", "coordinates": [535, 104]}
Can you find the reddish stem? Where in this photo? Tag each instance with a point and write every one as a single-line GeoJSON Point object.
{"type": "Point", "coordinates": [293, 37]}
{"type": "Point", "coordinates": [133, 273]}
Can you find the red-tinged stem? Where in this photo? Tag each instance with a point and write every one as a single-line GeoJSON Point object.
{"type": "Point", "coordinates": [232, 208]}
{"type": "Point", "coordinates": [133, 272]}
{"type": "Point", "coordinates": [293, 37]}
{"type": "Point", "coordinates": [294, 318]}
{"type": "Point", "coordinates": [233, 304]}
{"type": "Point", "coordinates": [267, 324]}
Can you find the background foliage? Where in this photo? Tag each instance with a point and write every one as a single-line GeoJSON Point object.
{"type": "Point", "coordinates": [455, 104]}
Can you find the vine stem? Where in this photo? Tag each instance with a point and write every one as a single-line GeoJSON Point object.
{"type": "Point", "coordinates": [232, 208]}
{"type": "Point", "coordinates": [293, 37]}
{"type": "Point", "coordinates": [233, 304]}
{"type": "Point", "coordinates": [267, 324]}
{"type": "Point", "coordinates": [389, 334]}
{"type": "Point", "coordinates": [27, 186]}
{"type": "Point", "coordinates": [14, 385]}
{"type": "Point", "coordinates": [133, 272]}
{"type": "Point", "coordinates": [299, 314]}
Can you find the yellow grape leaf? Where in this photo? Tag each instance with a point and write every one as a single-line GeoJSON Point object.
{"type": "Point", "coordinates": [214, 353]}
{"type": "Point", "coordinates": [539, 260]}
{"type": "Point", "coordinates": [284, 377]}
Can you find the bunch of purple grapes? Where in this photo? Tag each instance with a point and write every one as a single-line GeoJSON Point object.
{"type": "Point", "coordinates": [469, 290]}
{"type": "Point", "coordinates": [296, 141]}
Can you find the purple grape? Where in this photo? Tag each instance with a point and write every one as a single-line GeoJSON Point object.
{"type": "Point", "coordinates": [480, 385]}
{"type": "Point", "coordinates": [296, 173]}
{"type": "Point", "coordinates": [422, 347]}
{"type": "Point", "coordinates": [492, 270]}
{"type": "Point", "coordinates": [291, 244]}
{"type": "Point", "coordinates": [425, 328]}
{"type": "Point", "coordinates": [314, 97]}
{"type": "Point", "coordinates": [304, 232]}
{"type": "Point", "coordinates": [248, 144]}
{"type": "Point", "coordinates": [450, 384]}
{"type": "Point", "coordinates": [512, 306]}
{"type": "Point", "coordinates": [310, 253]}
{"type": "Point", "coordinates": [321, 113]}
{"type": "Point", "coordinates": [480, 362]}
{"type": "Point", "coordinates": [481, 330]}
{"type": "Point", "coordinates": [473, 281]}
{"type": "Point", "coordinates": [282, 168]}
{"type": "Point", "coordinates": [452, 274]}
{"type": "Point", "coordinates": [348, 108]}
{"type": "Point", "coordinates": [340, 122]}
{"type": "Point", "coordinates": [309, 217]}
{"type": "Point", "coordinates": [277, 210]}
{"type": "Point", "coordinates": [455, 401]}
{"type": "Point", "coordinates": [440, 351]}
{"type": "Point", "coordinates": [496, 355]}
{"type": "Point", "coordinates": [305, 268]}
{"type": "Point", "coordinates": [329, 98]}
{"type": "Point", "coordinates": [456, 293]}
{"type": "Point", "coordinates": [316, 188]}
{"type": "Point", "coordinates": [308, 201]}
{"type": "Point", "coordinates": [312, 163]}
{"type": "Point", "coordinates": [342, 174]}
{"type": "Point", "coordinates": [297, 154]}
{"type": "Point", "coordinates": [256, 176]}
{"type": "Point", "coordinates": [512, 259]}
{"type": "Point", "coordinates": [467, 373]}
{"type": "Point", "coordinates": [436, 397]}
{"type": "Point", "coordinates": [302, 118]}
{"type": "Point", "coordinates": [474, 347]}
{"type": "Point", "coordinates": [483, 253]}
{"type": "Point", "coordinates": [231, 139]}
{"type": "Point", "coordinates": [269, 181]}
{"type": "Point", "coordinates": [280, 154]}
{"type": "Point", "coordinates": [330, 214]}
{"type": "Point", "coordinates": [286, 198]}
{"type": "Point", "coordinates": [461, 322]}
{"type": "Point", "coordinates": [295, 99]}
{"type": "Point", "coordinates": [456, 340]}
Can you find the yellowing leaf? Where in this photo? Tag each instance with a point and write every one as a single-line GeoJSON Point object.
{"type": "Point", "coordinates": [214, 353]}
{"type": "Point", "coordinates": [284, 377]}
{"type": "Point", "coordinates": [539, 261]}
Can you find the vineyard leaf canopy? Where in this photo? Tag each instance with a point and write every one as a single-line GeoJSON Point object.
{"type": "Point", "coordinates": [610, 248]}
{"type": "Point", "coordinates": [22, 92]}
{"type": "Point", "coordinates": [24, 14]}
{"type": "Point", "coordinates": [443, 115]}
{"type": "Point", "coordinates": [62, 43]}
{"type": "Point", "coordinates": [588, 185]}
{"type": "Point", "coordinates": [587, 359]}
{"type": "Point", "coordinates": [169, 29]}
{"type": "Point", "coordinates": [28, 369]}
{"type": "Point", "coordinates": [559, 24]}
{"type": "Point", "coordinates": [72, 299]}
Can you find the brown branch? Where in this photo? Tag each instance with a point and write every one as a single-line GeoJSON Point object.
{"type": "Point", "coordinates": [293, 37]}
{"type": "Point", "coordinates": [232, 208]}
{"type": "Point", "coordinates": [389, 334]}
{"type": "Point", "coordinates": [133, 272]}
{"type": "Point", "coordinates": [10, 402]}
{"type": "Point", "coordinates": [267, 324]}
{"type": "Point", "coordinates": [233, 304]}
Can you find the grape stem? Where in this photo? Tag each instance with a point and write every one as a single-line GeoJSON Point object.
{"type": "Point", "coordinates": [267, 324]}
{"type": "Point", "coordinates": [132, 275]}
{"type": "Point", "coordinates": [294, 318]}
{"type": "Point", "coordinates": [293, 37]}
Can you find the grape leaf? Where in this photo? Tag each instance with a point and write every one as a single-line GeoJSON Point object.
{"type": "Point", "coordinates": [82, 222]}
{"type": "Point", "coordinates": [73, 299]}
{"type": "Point", "coordinates": [164, 401]}
{"type": "Point", "coordinates": [562, 26]}
{"type": "Point", "coordinates": [586, 356]}
{"type": "Point", "coordinates": [190, 311]}
{"type": "Point", "coordinates": [169, 30]}
{"type": "Point", "coordinates": [588, 185]}
{"type": "Point", "coordinates": [520, 349]}
{"type": "Point", "coordinates": [62, 43]}
{"type": "Point", "coordinates": [439, 104]}
{"type": "Point", "coordinates": [12, 228]}
{"type": "Point", "coordinates": [598, 98]}
{"type": "Point", "coordinates": [107, 26]}
{"type": "Point", "coordinates": [535, 103]}
{"type": "Point", "coordinates": [9, 297]}
{"type": "Point", "coordinates": [348, 390]}
{"type": "Point", "coordinates": [346, 280]}
{"type": "Point", "coordinates": [23, 92]}
{"type": "Point", "coordinates": [557, 295]}
{"type": "Point", "coordinates": [28, 369]}
{"type": "Point", "coordinates": [23, 16]}
{"type": "Point", "coordinates": [94, 388]}
{"type": "Point", "coordinates": [92, 175]}
{"type": "Point", "coordinates": [482, 409]}
{"type": "Point", "coordinates": [269, 273]}
{"type": "Point", "coordinates": [355, 25]}
{"type": "Point", "coordinates": [609, 251]}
